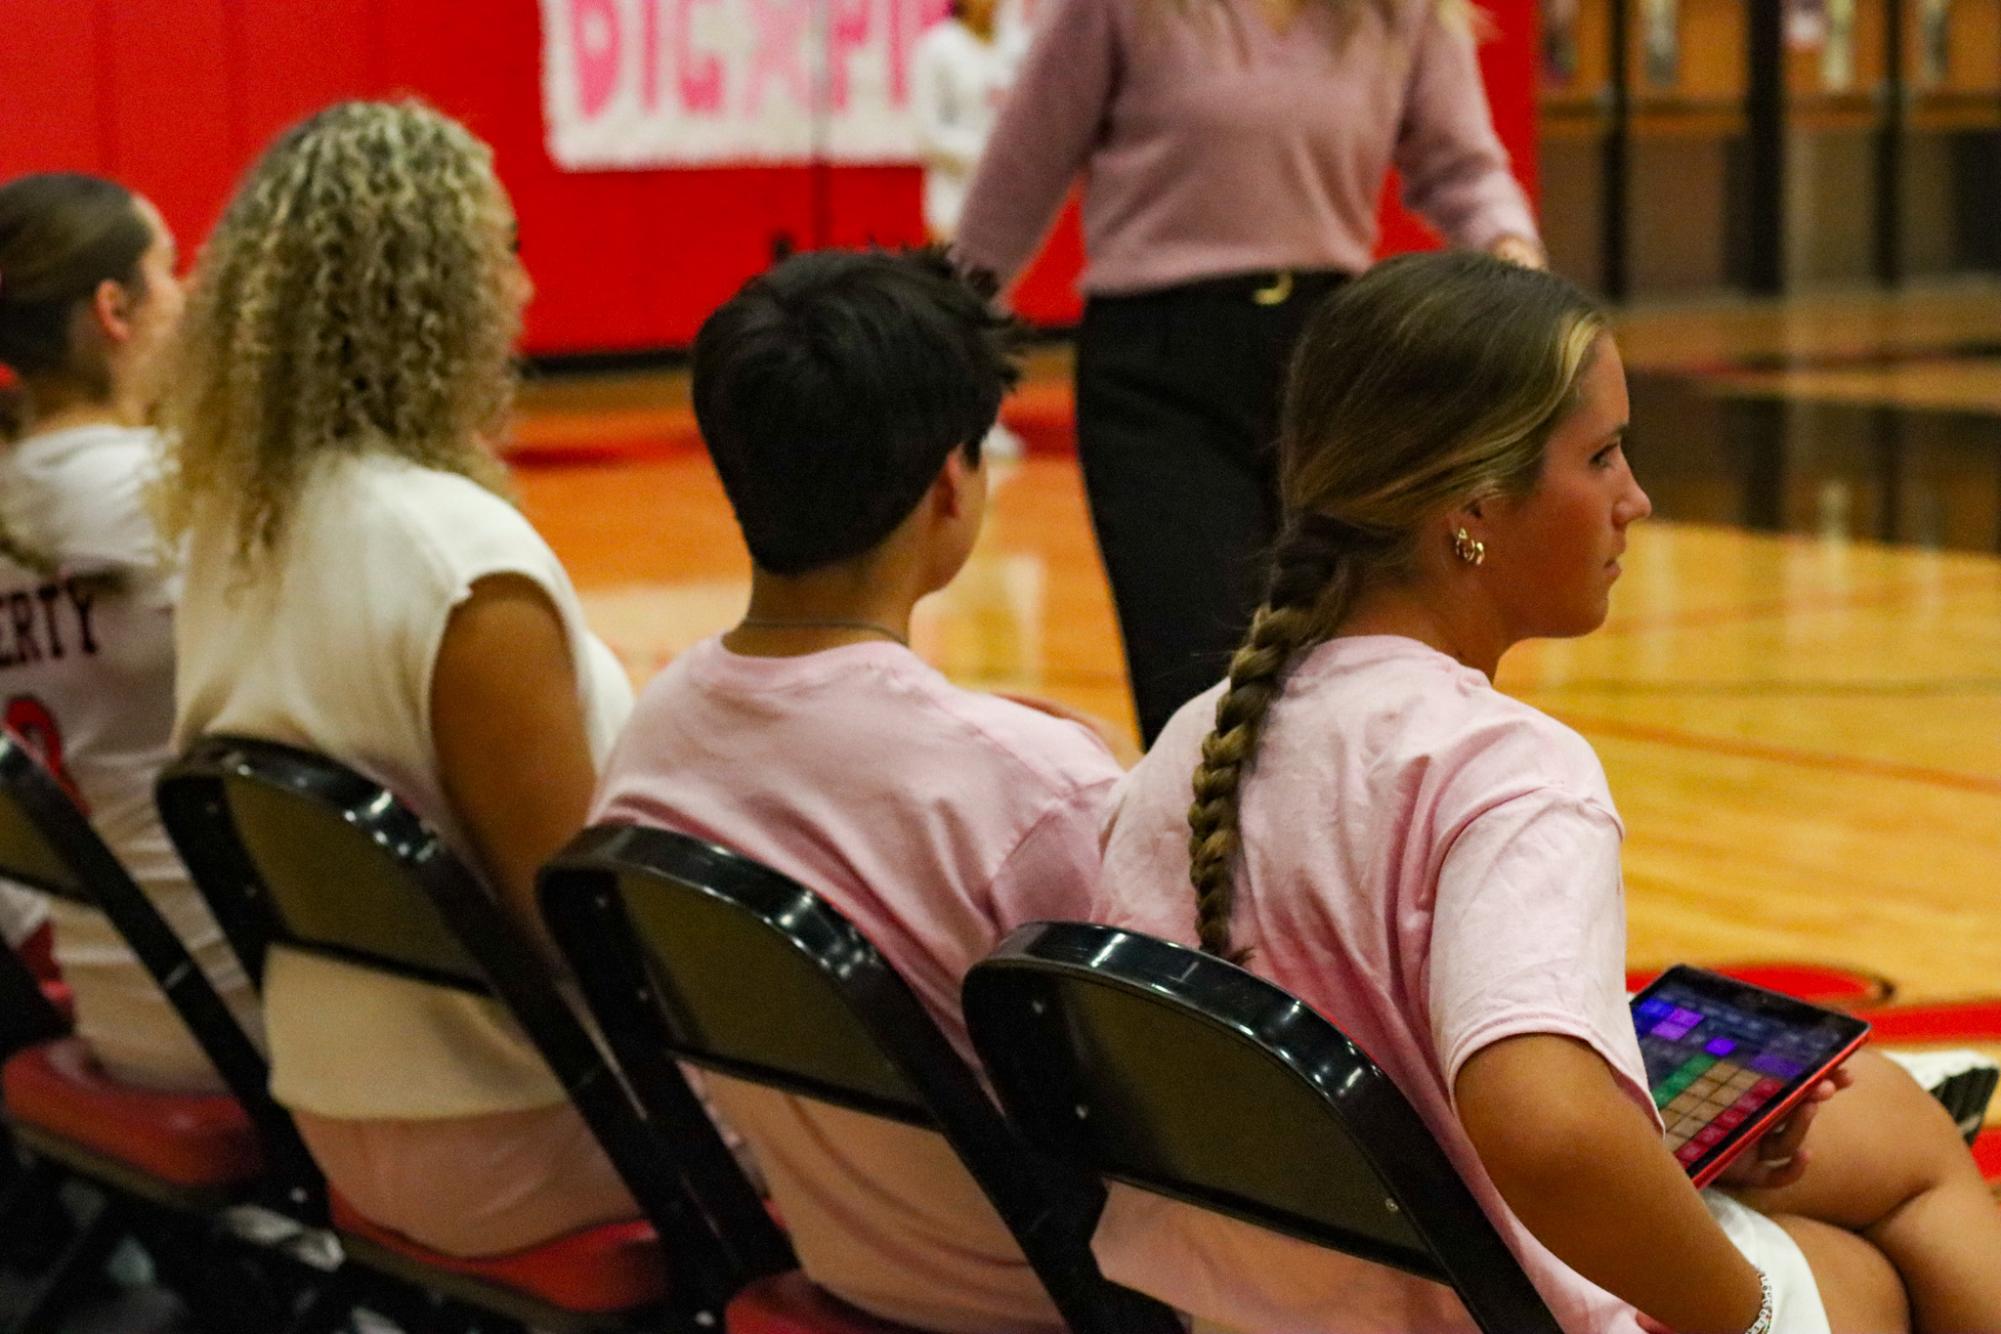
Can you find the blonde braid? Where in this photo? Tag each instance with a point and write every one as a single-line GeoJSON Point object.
{"type": "Point", "coordinates": [1315, 572]}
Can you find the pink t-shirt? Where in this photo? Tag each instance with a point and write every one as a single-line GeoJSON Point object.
{"type": "Point", "coordinates": [1433, 866]}
{"type": "Point", "coordinates": [936, 819]}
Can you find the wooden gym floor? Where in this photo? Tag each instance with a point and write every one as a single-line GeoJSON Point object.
{"type": "Point", "coordinates": [1797, 698]}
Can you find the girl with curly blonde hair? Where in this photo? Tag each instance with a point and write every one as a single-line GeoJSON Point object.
{"type": "Point", "coordinates": [359, 584]}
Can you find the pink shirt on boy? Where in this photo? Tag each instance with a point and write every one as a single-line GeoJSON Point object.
{"type": "Point", "coordinates": [1433, 866]}
{"type": "Point", "coordinates": [935, 819]}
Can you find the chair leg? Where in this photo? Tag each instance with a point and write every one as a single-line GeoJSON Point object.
{"type": "Point", "coordinates": [237, 1286]}
{"type": "Point", "coordinates": [31, 1213]}
{"type": "Point", "coordinates": [417, 1311]}
{"type": "Point", "coordinates": [74, 1269]}
{"type": "Point", "coordinates": [458, 1319]}
{"type": "Point", "coordinates": [325, 1307]}
{"type": "Point", "coordinates": [486, 1323]}
{"type": "Point", "coordinates": [11, 1163]}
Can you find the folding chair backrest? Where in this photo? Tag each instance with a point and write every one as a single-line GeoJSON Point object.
{"type": "Point", "coordinates": [47, 842]}
{"type": "Point", "coordinates": [688, 950]}
{"type": "Point", "coordinates": [27, 1016]}
{"type": "Point", "coordinates": [324, 860]}
{"type": "Point", "coordinates": [295, 850]}
{"type": "Point", "coordinates": [753, 974]}
{"type": "Point", "coordinates": [1141, 1061]}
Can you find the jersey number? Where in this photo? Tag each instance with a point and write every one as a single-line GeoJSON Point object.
{"type": "Point", "coordinates": [30, 720]}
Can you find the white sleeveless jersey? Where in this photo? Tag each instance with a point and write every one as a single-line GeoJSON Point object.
{"type": "Point", "coordinates": [87, 679]}
{"type": "Point", "coordinates": [87, 673]}
{"type": "Point", "coordinates": [329, 644]}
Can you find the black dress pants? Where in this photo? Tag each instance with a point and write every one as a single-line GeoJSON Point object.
{"type": "Point", "coordinates": [1177, 424]}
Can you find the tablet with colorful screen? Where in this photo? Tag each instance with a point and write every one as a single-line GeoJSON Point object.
{"type": "Point", "coordinates": [1727, 1060]}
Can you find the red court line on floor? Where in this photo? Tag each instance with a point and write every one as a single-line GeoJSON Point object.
{"type": "Point", "coordinates": [1805, 759]}
{"type": "Point", "coordinates": [1987, 1153]}
{"type": "Point", "coordinates": [1941, 1021]}
{"type": "Point", "coordinates": [1823, 984]}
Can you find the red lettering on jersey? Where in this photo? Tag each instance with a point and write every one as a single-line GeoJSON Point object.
{"type": "Point", "coordinates": [30, 720]}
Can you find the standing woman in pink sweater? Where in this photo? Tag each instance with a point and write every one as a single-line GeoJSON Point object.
{"type": "Point", "coordinates": [1233, 152]}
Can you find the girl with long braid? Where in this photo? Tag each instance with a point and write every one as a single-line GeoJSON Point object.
{"type": "Point", "coordinates": [1435, 867]}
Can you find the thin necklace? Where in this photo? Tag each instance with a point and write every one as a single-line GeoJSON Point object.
{"type": "Point", "coordinates": [775, 623]}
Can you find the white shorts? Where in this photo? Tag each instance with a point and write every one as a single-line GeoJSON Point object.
{"type": "Point", "coordinates": [1796, 1306]}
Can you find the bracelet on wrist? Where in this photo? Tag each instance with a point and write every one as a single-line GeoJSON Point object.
{"type": "Point", "coordinates": [1763, 1324]}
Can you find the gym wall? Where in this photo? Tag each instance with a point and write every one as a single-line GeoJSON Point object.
{"type": "Point", "coordinates": [175, 97]}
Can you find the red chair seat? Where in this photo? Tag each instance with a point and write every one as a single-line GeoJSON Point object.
{"type": "Point", "coordinates": [791, 1303]}
{"type": "Point", "coordinates": [194, 1140]}
{"type": "Point", "coordinates": [612, 1267]}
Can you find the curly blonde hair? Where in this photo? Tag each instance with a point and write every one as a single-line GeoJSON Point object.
{"type": "Point", "coordinates": [359, 295]}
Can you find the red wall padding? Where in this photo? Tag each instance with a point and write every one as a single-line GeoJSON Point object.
{"type": "Point", "coordinates": [176, 96]}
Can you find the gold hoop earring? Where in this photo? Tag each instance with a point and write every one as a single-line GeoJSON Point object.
{"type": "Point", "coordinates": [1468, 548]}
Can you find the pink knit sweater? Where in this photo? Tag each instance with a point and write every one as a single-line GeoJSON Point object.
{"type": "Point", "coordinates": [1213, 144]}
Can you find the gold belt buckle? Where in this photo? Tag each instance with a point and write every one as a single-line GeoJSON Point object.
{"type": "Point", "coordinates": [1277, 292]}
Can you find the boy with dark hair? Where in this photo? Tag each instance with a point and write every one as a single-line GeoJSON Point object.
{"type": "Point", "coordinates": [832, 389]}
{"type": "Point", "coordinates": [843, 397]}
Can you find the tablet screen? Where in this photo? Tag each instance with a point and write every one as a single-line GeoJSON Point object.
{"type": "Point", "coordinates": [1721, 1054]}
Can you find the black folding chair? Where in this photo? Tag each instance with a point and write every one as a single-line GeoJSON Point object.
{"type": "Point", "coordinates": [27, 1013]}
{"type": "Point", "coordinates": [29, 1017]}
{"type": "Point", "coordinates": [169, 1163]}
{"type": "Point", "coordinates": [687, 950]}
{"type": "Point", "coordinates": [1135, 1060]}
{"type": "Point", "coordinates": [293, 849]}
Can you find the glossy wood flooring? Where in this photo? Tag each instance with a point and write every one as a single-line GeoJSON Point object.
{"type": "Point", "coordinates": [1802, 725]}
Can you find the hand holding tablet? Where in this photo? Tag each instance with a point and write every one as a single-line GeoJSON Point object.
{"type": "Point", "coordinates": [1733, 1065]}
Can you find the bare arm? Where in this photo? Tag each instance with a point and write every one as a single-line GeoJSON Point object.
{"type": "Point", "coordinates": [1044, 136]}
{"type": "Point", "coordinates": [1454, 168]}
{"type": "Point", "coordinates": [1586, 1172]}
{"type": "Point", "coordinates": [513, 757]}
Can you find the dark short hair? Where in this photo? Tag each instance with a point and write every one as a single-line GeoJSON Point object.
{"type": "Point", "coordinates": [833, 388]}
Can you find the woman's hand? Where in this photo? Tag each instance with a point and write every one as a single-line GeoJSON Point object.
{"type": "Point", "coordinates": [1780, 1157]}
